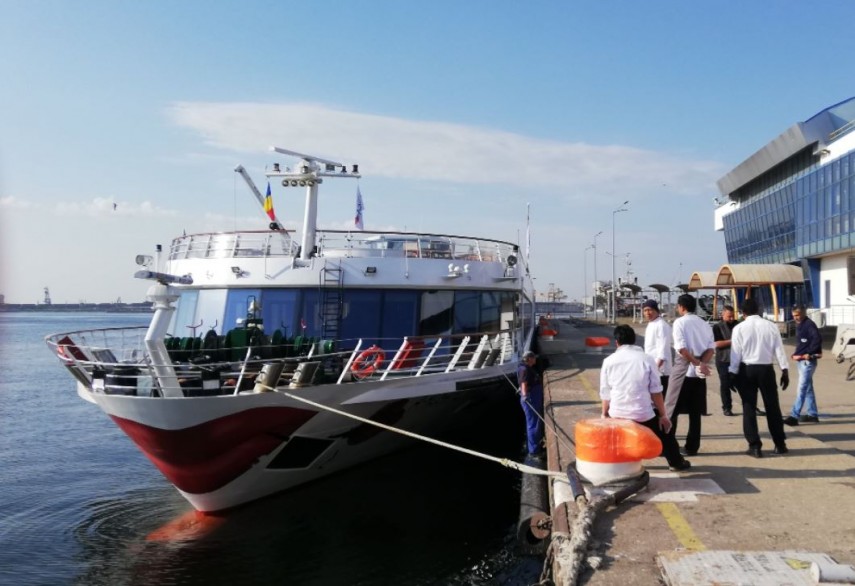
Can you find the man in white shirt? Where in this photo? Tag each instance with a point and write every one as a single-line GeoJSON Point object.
{"type": "Point", "coordinates": [687, 386]}
{"type": "Point", "coordinates": [657, 340]}
{"type": "Point", "coordinates": [755, 343]}
{"type": "Point", "coordinates": [630, 387]}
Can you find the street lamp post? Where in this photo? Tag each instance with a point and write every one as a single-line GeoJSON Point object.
{"type": "Point", "coordinates": [614, 279]}
{"type": "Point", "coordinates": [594, 246]}
{"type": "Point", "coordinates": [585, 284]}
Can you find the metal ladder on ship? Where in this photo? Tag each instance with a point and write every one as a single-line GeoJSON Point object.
{"type": "Point", "coordinates": [332, 302]}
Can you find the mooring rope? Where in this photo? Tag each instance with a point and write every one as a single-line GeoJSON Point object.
{"type": "Point", "coordinates": [508, 463]}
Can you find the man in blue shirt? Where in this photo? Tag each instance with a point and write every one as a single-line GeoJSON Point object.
{"type": "Point", "coordinates": [808, 349]}
{"type": "Point", "coordinates": [531, 399]}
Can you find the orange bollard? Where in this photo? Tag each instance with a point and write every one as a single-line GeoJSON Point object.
{"type": "Point", "coordinates": [612, 449]}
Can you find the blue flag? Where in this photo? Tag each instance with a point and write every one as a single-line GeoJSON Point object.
{"type": "Point", "coordinates": [357, 221]}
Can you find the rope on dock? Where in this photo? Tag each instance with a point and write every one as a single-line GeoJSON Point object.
{"type": "Point", "coordinates": [580, 533]}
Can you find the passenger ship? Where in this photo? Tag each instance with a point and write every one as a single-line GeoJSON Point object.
{"type": "Point", "coordinates": [268, 361]}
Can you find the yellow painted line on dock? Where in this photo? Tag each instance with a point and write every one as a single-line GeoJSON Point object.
{"type": "Point", "coordinates": [589, 388]}
{"type": "Point", "coordinates": [681, 528]}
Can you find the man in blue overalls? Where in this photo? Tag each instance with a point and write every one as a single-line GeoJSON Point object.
{"type": "Point", "coordinates": [531, 399]}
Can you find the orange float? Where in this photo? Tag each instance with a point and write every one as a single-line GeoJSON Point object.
{"type": "Point", "coordinates": [611, 449]}
{"type": "Point", "coordinates": [368, 361]}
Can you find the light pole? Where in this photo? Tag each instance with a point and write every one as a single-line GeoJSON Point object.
{"type": "Point", "coordinates": [594, 246]}
{"type": "Point", "coordinates": [585, 284]}
{"type": "Point", "coordinates": [614, 280]}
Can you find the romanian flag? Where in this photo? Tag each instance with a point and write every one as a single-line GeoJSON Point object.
{"type": "Point", "coordinates": [268, 204]}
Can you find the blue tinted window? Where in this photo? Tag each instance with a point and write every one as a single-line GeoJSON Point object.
{"type": "Point", "coordinates": [400, 312]}
{"type": "Point", "coordinates": [279, 310]}
{"type": "Point", "coordinates": [362, 315]}
{"type": "Point", "coordinates": [466, 312]}
{"type": "Point", "coordinates": [237, 306]}
{"type": "Point", "coordinates": [490, 308]}
{"type": "Point", "coordinates": [436, 311]}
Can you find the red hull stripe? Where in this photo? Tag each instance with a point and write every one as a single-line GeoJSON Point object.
{"type": "Point", "coordinates": [208, 456]}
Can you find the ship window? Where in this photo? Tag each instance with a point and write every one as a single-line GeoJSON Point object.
{"type": "Point", "coordinates": [279, 310]}
{"type": "Point", "coordinates": [490, 306]}
{"type": "Point", "coordinates": [436, 313]}
{"type": "Point", "coordinates": [400, 311]}
{"type": "Point", "coordinates": [185, 313]}
{"type": "Point", "coordinates": [237, 307]}
{"type": "Point", "coordinates": [209, 311]}
{"type": "Point", "coordinates": [362, 319]}
{"type": "Point", "coordinates": [308, 320]}
{"type": "Point", "coordinates": [466, 312]}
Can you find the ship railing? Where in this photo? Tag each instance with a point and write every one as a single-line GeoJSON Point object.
{"type": "Point", "coordinates": [115, 361]}
{"type": "Point", "coordinates": [342, 243]}
{"type": "Point", "coordinates": [233, 245]}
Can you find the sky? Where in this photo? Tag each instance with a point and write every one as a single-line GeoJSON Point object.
{"type": "Point", "coordinates": [121, 123]}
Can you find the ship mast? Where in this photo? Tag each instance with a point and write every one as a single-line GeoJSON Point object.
{"type": "Point", "coordinates": [308, 173]}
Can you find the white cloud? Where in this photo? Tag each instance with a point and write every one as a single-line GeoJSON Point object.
{"type": "Point", "coordinates": [101, 206]}
{"type": "Point", "coordinates": [412, 149]}
{"type": "Point", "coordinates": [13, 203]}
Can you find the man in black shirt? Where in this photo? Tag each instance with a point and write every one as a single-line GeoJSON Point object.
{"type": "Point", "coordinates": [722, 332]}
{"type": "Point", "coordinates": [808, 349]}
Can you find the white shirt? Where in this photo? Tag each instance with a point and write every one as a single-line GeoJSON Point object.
{"type": "Point", "coordinates": [695, 335]}
{"type": "Point", "coordinates": [657, 344]}
{"type": "Point", "coordinates": [627, 379]}
{"type": "Point", "coordinates": [756, 341]}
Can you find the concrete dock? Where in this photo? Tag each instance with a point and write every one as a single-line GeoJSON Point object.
{"type": "Point", "coordinates": [730, 519]}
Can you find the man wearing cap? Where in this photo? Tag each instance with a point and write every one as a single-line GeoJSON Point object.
{"type": "Point", "coordinates": [657, 340]}
{"type": "Point", "coordinates": [531, 399]}
{"type": "Point", "coordinates": [629, 389]}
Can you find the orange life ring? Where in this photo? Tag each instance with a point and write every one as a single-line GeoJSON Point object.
{"type": "Point", "coordinates": [368, 361]}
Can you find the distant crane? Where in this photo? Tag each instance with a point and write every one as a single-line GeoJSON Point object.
{"type": "Point", "coordinates": [47, 296]}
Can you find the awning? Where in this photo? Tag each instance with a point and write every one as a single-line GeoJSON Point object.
{"type": "Point", "coordinates": [660, 288]}
{"type": "Point", "coordinates": [748, 275]}
{"type": "Point", "coordinates": [703, 280]}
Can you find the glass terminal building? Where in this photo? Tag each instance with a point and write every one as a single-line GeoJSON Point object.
{"type": "Point", "coordinates": [793, 202]}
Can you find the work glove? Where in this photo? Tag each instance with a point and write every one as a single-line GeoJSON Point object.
{"type": "Point", "coordinates": [731, 382]}
{"type": "Point", "coordinates": [785, 379]}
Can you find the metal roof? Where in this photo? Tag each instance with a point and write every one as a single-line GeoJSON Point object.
{"type": "Point", "coordinates": [818, 130]}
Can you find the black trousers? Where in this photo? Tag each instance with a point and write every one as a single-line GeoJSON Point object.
{"type": "Point", "coordinates": [724, 385]}
{"type": "Point", "coordinates": [754, 377]}
{"type": "Point", "coordinates": [693, 402]}
{"type": "Point", "coordinates": [670, 449]}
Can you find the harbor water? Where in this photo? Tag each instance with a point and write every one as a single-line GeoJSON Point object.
{"type": "Point", "coordinates": [79, 504]}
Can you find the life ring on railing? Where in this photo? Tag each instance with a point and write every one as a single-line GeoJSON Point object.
{"type": "Point", "coordinates": [367, 362]}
